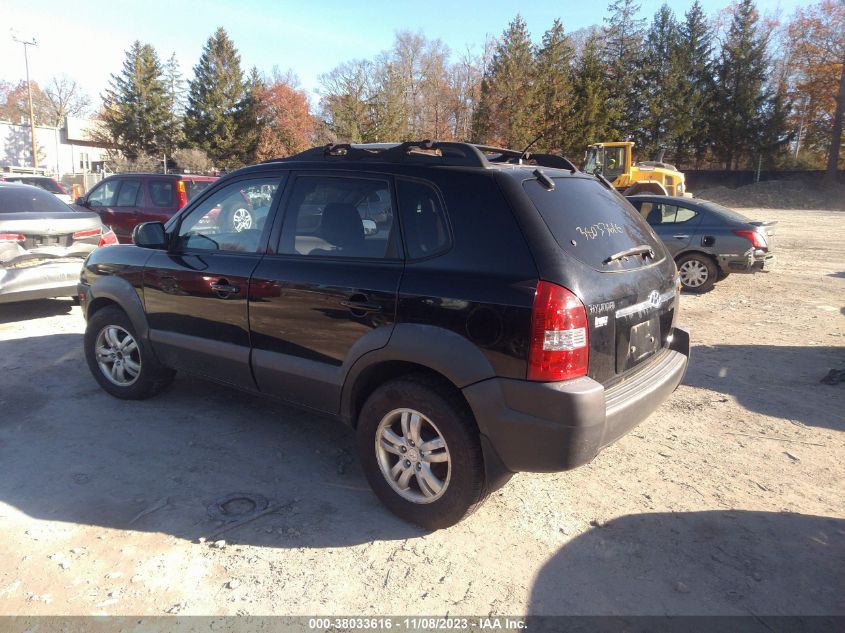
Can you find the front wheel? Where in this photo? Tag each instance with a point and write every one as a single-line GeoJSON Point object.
{"type": "Point", "coordinates": [119, 360]}
{"type": "Point", "coordinates": [698, 273]}
{"type": "Point", "coordinates": [420, 451]}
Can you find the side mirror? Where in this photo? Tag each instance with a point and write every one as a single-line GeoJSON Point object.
{"type": "Point", "coordinates": [370, 227]}
{"type": "Point", "coordinates": [150, 235]}
{"type": "Point", "coordinates": [80, 201]}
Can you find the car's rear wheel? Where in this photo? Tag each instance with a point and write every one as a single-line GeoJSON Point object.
{"type": "Point", "coordinates": [698, 273]}
{"type": "Point", "coordinates": [120, 360]}
{"type": "Point", "coordinates": [420, 451]}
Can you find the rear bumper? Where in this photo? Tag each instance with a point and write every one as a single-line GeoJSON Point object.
{"type": "Point", "coordinates": [547, 427]}
{"type": "Point", "coordinates": [753, 262]}
{"type": "Point", "coordinates": [39, 282]}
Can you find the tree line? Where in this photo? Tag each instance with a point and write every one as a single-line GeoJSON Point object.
{"type": "Point", "coordinates": [733, 90]}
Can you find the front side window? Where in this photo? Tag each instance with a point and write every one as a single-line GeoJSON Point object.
{"type": "Point", "coordinates": [657, 213]}
{"type": "Point", "coordinates": [231, 219]}
{"type": "Point", "coordinates": [104, 195]}
{"type": "Point", "coordinates": [339, 217]}
{"type": "Point", "coordinates": [130, 194]}
{"type": "Point", "coordinates": [423, 219]}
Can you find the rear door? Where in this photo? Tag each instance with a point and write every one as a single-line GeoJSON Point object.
{"type": "Point", "coordinates": [328, 292]}
{"type": "Point", "coordinates": [674, 224]}
{"type": "Point", "coordinates": [195, 294]}
{"type": "Point", "coordinates": [161, 201]}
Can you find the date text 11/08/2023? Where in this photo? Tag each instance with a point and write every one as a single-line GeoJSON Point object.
{"type": "Point", "coordinates": [418, 624]}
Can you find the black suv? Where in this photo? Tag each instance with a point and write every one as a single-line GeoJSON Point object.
{"type": "Point", "coordinates": [470, 311]}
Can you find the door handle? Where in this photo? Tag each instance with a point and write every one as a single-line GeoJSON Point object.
{"type": "Point", "coordinates": [223, 287]}
{"type": "Point", "coordinates": [361, 306]}
{"type": "Point", "coordinates": [681, 237]}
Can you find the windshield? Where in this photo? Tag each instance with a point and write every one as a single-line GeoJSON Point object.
{"type": "Point", "coordinates": [592, 223]}
{"type": "Point", "coordinates": [24, 199]}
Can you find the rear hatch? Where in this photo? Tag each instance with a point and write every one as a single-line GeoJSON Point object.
{"type": "Point", "coordinates": [611, 259]}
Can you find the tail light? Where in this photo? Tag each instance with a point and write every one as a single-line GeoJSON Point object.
{"type": "Point", "coordinates": [108, 238]}
{"type": "Point", "coordinates": [181, 193]}
{"type": "Point", "coordinates": [81, 235]}
{"type": "Point", "coordinates": [6, 238]}
{"type": "Point", "coordinates": [752, 236]}
{"type": "Point", "coordinates": [559, 346]}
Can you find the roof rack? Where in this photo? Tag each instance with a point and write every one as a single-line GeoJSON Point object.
{"type": "Point", "coordinates": [451, 153]}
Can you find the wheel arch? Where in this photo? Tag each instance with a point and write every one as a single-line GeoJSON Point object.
{"type": "Point", "coordinates": [118, 292]}
{"type": "Point", "coordinates": [414, 348]}
{"type": "Point", "coordinates": [648, 186]}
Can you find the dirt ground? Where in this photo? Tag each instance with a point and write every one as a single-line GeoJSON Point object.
{"type": "Point", "coordinates": [730, 499]}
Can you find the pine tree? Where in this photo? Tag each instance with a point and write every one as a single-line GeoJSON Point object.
{"type": "Point", "coordinates": [217, 97]}
{"type": "Point", "coordinates": [590, 116]}
{"type": "Point", "coordinates": [623, 52]}
{"type": "Point", "coordinates": [660, 83]}
{"type": "Point", "coordinates": [175, 84]}
{"type": "Point", "coordinates": [505, 115]}
{"type": "Point", "coordinates": [553, 71]}
{"type": "Point", "coordinates": [135, 105]}
{"type": "Point", "coordinates": [740, 94]}
{"type": "Point", "coordinates": [690, 122]}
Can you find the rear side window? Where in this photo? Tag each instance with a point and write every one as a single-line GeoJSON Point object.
{"type": "Point", "coordinates": [161, 193]}
{"type": "Point", "coordinates": [130, 194]}
{"type": "Point", "coordinates": [339, 217]}
{"type": "Point", "coordinates": [195, 187]}
{"type": "Point", "coordinates": [423, 220]}
{"type": "Point", "coordinates": [590, 222]}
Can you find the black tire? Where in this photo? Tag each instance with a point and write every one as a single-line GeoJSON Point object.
{"type": "Point", "coordinates": [440, 403]}
{"type": "Point", "coordinates": [151, 378]}
{"type": "Point", "coordinates": [705, 269]}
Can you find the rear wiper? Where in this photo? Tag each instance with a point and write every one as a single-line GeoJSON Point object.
{"type": "Point", "coordinates": [636, 250]}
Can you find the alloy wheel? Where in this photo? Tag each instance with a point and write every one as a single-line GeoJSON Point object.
{"type": "Point", "coordinates": [413, 456]}
{"type": "Point", "coordinates": [118, 355]}
{"type": "Point", "coordinates": [241, 220]}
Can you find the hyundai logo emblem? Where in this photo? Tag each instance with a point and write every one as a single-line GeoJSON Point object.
{"type": "Point", "coordinates": [654, 298]}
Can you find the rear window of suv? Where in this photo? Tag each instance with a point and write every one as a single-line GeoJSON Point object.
{"type": "Point", "coordinates": [590, 222]}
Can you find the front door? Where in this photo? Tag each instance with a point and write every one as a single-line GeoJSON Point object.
{"type": "Point", "coordinates": [196, 293]}
{"type": "Point", "coordinates": [327, 294]}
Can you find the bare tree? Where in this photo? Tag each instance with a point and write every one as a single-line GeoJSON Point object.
{"type": "Point", "coordinates": [66, 99]}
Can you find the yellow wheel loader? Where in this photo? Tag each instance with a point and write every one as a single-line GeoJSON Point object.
{"type": "Point", "coordinates": [614, 161]}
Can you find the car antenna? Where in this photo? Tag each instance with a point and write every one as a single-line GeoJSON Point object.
{"type": "Point", "coordinates": [524, 153]}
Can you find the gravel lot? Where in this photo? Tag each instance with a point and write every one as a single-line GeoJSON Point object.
{"type": "Point", "coordinates": [730, 499]}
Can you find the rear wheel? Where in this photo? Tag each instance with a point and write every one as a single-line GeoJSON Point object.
{"type": "Point", "coordinates": [119, 360]}
{"type": "Point", "coordinates": [698, 273]}
{"type": "Point", "coordinates": [420, 450]}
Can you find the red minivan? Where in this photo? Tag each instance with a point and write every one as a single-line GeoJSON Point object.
{"type": "Point", "coordinates": [124, 200]}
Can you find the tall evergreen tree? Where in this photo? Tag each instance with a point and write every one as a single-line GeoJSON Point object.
{"type": "Point", "coordinates": [623, 51]}
{"type": "Point", "coordinates": [660, 83]}
{"type": "Point", "coordinates": [590, 116]}
{"type": "Point", "coordinates": [691, 121]}
{"type": "Point", "coordinates": [217, 98]}
{"type": "Point", "coordinates": [740, 81]}
{"type": "Point", "coordinates": [175, 84]}
{"type": "Point", "coordinates": [553, 71]}
{"type": "Point", "coordinates": [135, 104]}
{"type": "Point", "coordinates": [505, 115]}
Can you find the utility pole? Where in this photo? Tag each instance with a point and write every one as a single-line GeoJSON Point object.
{"type": "Point", "coordinates": [29, 90]}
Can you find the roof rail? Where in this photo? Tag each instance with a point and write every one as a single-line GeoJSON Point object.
{"type": "Point", "coordinates": [452, 153]}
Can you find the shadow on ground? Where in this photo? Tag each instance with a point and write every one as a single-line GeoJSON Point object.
{"type": "Point", "coordinates": [26, 310]}
{"type": "Point", "coordinates": [71, 453]}
{"type": "Point", "coordinates": [778, 381]}
{"type": "Point", "coordinates": [694, 563]}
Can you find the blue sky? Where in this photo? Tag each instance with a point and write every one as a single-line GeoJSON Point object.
{"type": "Point", "coordinates": [86, 40]}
